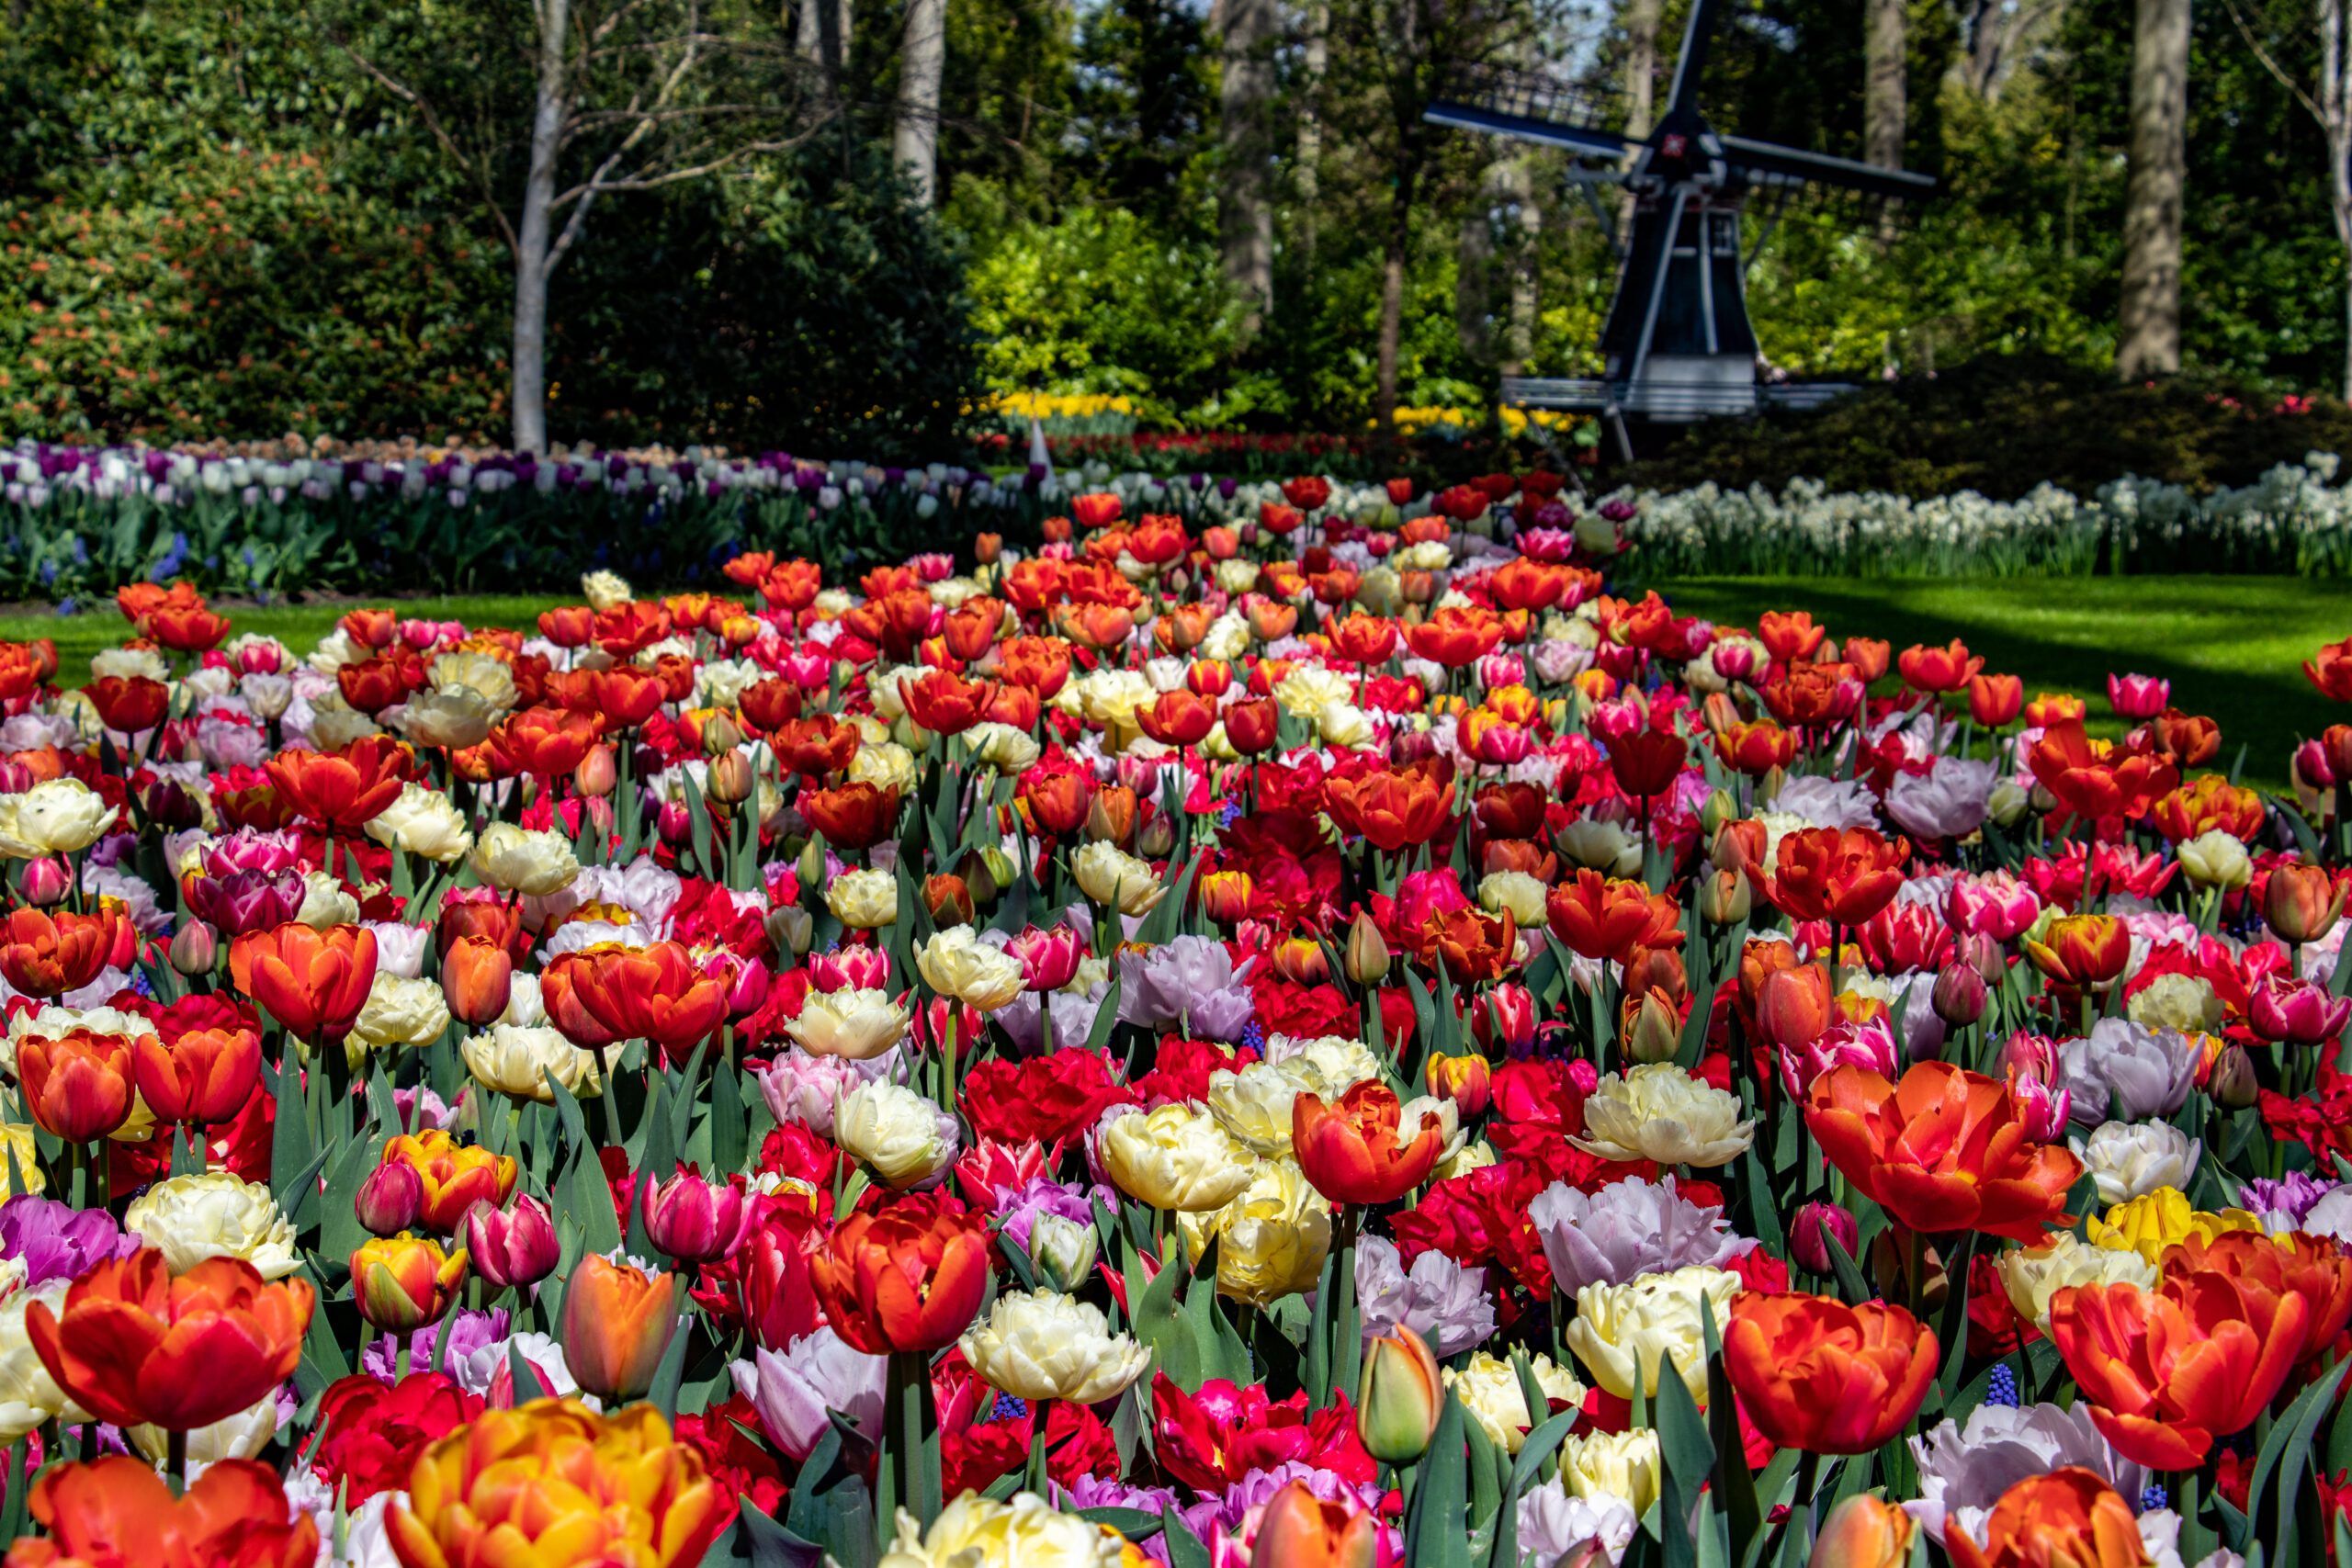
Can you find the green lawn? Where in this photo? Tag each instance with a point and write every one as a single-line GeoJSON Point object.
{"type": "Point", "coordinates": [2232, 646]}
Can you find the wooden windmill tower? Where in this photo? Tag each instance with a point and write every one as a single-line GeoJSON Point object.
{"type": "Point", "coordinates": [1677, 344]}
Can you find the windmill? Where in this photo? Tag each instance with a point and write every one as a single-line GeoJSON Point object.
{"type": "Point", "coordinates": [1677, 344]}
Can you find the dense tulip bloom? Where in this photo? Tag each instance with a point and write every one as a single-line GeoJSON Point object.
{"type": "Point", "coordinates": [855, 817]}
{"type": "Point", "coordinates": [1938, 670]}
{"type": "Point", "coordinates": [1840, 876]}
{"type": "Point", "coordinates": [78, 1086]}
{"type": "Point", "coordinates": [1177, 718]}
{"type": "Point", "coordinates": [618, 1321]}
{"type": "Point", "coordinates": [1455, 635]}
{"type": "Point", "coordinates": [204, 1075]}
{"type": "Point", "coordinates": [2311, 1267]}
{"type": "Point", "coordinates": [312, 982]}
{"type": "Point", "coordinates": [1789, 634]}
{"type": "Point", "coordinates": [246, 901]}
{"type": "Point", "coordinates": [815, 746]}
{"type": "Point", "coordinates": [1599, 917]}
{"type": "Point", "coordinates": [1300, 1529]}
{"type": "Point", "coordinates": [554, 1483]}
{"type": "Point", "coordinates": [1816, 1374]}
{"type": "Point", "coordinates": [1646, 763]}
{"type": "Point", "coordinates": [655, 993]}
{"type": "Point", "coordinates": [2067, 1518]}
{"type": "Point", "coordinates": [46, 954]}
{"type": "Point", "coordinates": [116, 1512]}
{"type": "Point", "coordinates": [542, 741]}
{"type": "Point", "coordinates": [135, 1346]}
{"type": "Point", "coordinates": [456, 1175]}
{"type": "Point", "coordinates": [1943, 1150]}
{"type": "Point", "coordinates": [2094, 779]}
{"type": "Point", "coordinates": [1993, 700]}
{"type": "Point", "coordinates": [404, 1283]}
{"type": "Point", "coordinates": [1351, 1149]}
{"type": "Point", "coordinates": [343, 791]}
{"type": "Point", "coordinates": [2169, 1370]}
{"type": "Point", "coordinates": [1756, 748]}
{"type": "Point", "coordinates": [2302, 903]}
{"type": "Point", "coordinates": [1392, 807]}
{"type": "Point", "coordinates": [2297, 1012]}
{"type": "Point", "coordinates": [908, 1278]}
{"type": "Point", "coordinates": [2082, 952]}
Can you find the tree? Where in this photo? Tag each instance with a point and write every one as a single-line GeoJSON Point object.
{"type": "Point", "coordinates": [2328, 100]}
{"type": "Point", "coordinates": [2150, 318]}
{"type": "Point", "coordinates": [623, 95]}
{"type": "Point", "coordinates": [1245, 99]}
{"type": "Point", "coordinates": [923, 59]}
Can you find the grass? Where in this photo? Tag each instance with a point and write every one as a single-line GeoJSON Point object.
{"type": "Point", "coordinates": [2232, 646]}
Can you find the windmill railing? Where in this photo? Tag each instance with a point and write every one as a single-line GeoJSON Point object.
{"type": "Point", "coordinates": [1661, 398]}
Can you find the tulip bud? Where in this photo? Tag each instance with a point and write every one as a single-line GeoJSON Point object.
{"type": "Point", "coordinates": [1719, 809]}
{"type": "Point", "coordinates": [477, 980]}
{"type": "Point", "coordinates": [729, 780]}
{"type": "Point", "coordinates": [1367, 955]}
{"type": "Point", "coordinates": [948, 899]}
{"type": "Point", "coordinates": [1062, 1251]}
{"type": "Point", "coordinates": [2302, 903]}
{"type": "Point", "coordinates": [618, 1321]}
{"type": "Point", "coordinates": [1466, 1080]}
{"type": "Point", "coordinates": [1810, 1234]}
{"type": "Point", "coordinates": [1400, 1398]}
{"type": "Point", "coordinates": [195, 949]}
{"type": "Point", "coordinates": [1157, 837]}
{"type": "Point", "coordinates": [720, 736]}
{"type": "Point", "coordinates": [2231, 1079]}
{"type": "Point", "coordinates": [1111, 816]}
{"type": "Point", "coordinates": [1960, 995]}
{"type": "Point", "coordinates": [1655, 1034]}
{"type": "Point", "coordinates": [2338, 739]}
{"type": "Point", "coordinates": [404, 1283]}
{"type": "Point", "coordinates": [675, 824]}
{"type": "Point", "coordinates": [792, 929]}
{"type": "Point", "coordinates": [979, 879]}
{"type": "Point", "coordinates": [1792, 1008]}
{"type": "Point", "coordinates": [693, 1221]}
{"type": "Point", "coordinates": [512, 1247]}
{"type": "Point", "coordinates": [1726, 898]}
{"type": "Point", "coordinates": [810, 867]}
{"type": "Point", "coordinates": [596, 774]}
{"type": "Point", "coordinates": [45, 883]}
{"type": "Point", "coordinates": [1863, 1532]}
{"type": "Point", "coordinates": [997, 866]}
{"type": "Point", "coordinates": [1982, 952]}
{"type": "Point", "coordinates": [390, 1200]}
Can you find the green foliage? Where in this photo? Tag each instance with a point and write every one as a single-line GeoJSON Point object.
{"type": "Point", "coordinates": [1102, 302]}
{"type": "Point", "coordinates": [2000, 427]}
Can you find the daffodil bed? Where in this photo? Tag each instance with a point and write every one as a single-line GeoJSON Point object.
{"type": "Point", "coordinates": [1289, 1041]}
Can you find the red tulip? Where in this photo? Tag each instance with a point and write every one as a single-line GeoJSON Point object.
{"type": "Point", "coordinates": [135, 1346]}
{"type": "Point", "coordinates": [908, 1278]}
{"type": "Point", "coordinates": [1816, 1374]}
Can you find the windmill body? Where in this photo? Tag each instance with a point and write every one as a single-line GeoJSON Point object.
{"type": "Point", "coordinates": [1676, 344]}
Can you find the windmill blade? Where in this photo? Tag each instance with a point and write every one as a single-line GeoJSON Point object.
{"type": "Point", "coordinates": [1529, 107]}
{"type": "Point", "coordinates": [1775, 163]}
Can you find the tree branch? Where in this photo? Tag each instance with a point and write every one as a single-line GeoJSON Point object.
{"type": "Point", "coordinates": [476, 167]}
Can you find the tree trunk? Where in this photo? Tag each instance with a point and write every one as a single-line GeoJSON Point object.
{"type": "Point", "coordinates": [922, 59]}
{"type": "Point", "coordinates": [1392, 296]}
{"type": "Point", "coordinates": [1884, 49]}
{"type": "Point", "coordinates": [1245, 204]}
{"type": "Point", "coordinates": [808, 33]}
{"type": "Point", "coordinates": [1474, 262]}
{"type": "Point", "coordinates": [1524, 275]}
{"type": "Point", "coordinates": [2336, 123]}
{"type": "Point", "coordinates": [1641, 90]}
{"type": "Point", "coordinates": [2150, 340]}
{"type": "Point", "coordinates": [1315, 61]}
{"type": "Point", "coordinates": [532, 234]}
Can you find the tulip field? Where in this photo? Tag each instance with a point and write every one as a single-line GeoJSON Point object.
{"type": "Point", "coordinates": [1302, 1036]}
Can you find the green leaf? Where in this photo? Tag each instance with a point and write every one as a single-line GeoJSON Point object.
{"type": "Point", "coordinates": [1434, 1536]}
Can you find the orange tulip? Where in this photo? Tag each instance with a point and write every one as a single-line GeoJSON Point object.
{"type": "Point", "coordinates": [908, 1278]}
{"type": "Point", "coordinates": [2308, 1266]}
{"type": "Point", "coordinates": [114, 1512]}
{"type": "Point", "coordinates": [554, 1483]}
{"type": "Point", "coordinates": [204, 1076]}
{"type": "Point", "coordinates": [1938, 670]}
{"type": "Point", "coordinates": [655, 993]}
{"type": "Point", "coordinates": [312, 982]}
{"type": "Point", "coordinates": [2096, 779]}
{"type": "Point", "coordinates": [542, 741]}
{"type": "Point", "coordinates": [45, 954]}
{"type": "Point", "coordinates": [2208, 802]}
{"type": "Point", "coordinates": [1177, 718]}
{"type": "Point", "coordinates": [1455, 635]}
{"type": "Point", "coordinates": [2082, 952]}
{"type": "Point", "coordinates": [1363, 640]}
{"type": "Point", "coordinates": [815, 746]}
{"type": "Point", "coordinates": [1300, 1529]}
{"type": "Point", "coordinates": [2068, 1518]}
{"type": "Point", "coordinates": [477, 979]}
{"type": "Point", "coordinates": [136, 1346]}
{"type": "Point", "coordinates": [1756, 748]}
{"type": "Point", "coordinates": [342, 791]}
{"type": "Point", "coordinates": [1993, 700]}
{"type": "Point", "coordinates": [1790, 635]}
{"type": "Point", "coordinates": [1816, 1374]}
{"type": "Point", "coordinates": [77, 1085]}
{"type": "Point", "coordinates": [1793, 1007]}
{"type": "Point", "coordinates": [1599, 917]}
{"type": "Point", "coordinates": [1393, 807]}
{"type": "Point", "coordinates": [2330, 671]}
{"type": "Point", "coordinates": [618, 1321]}
{"type": "Point", "coordinates": [456, 1175]}
{"type": "Point", "coordinates": [1943, 1150]}
{"type": "Point", "coordinates": [856, 817]}
{"type": "Point", "coordinates": [1351, 1150]}
{"type": "Point", "coordinates": [1841, 876]}
{"type": "Point", "coordinates": [2169, 1370]}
